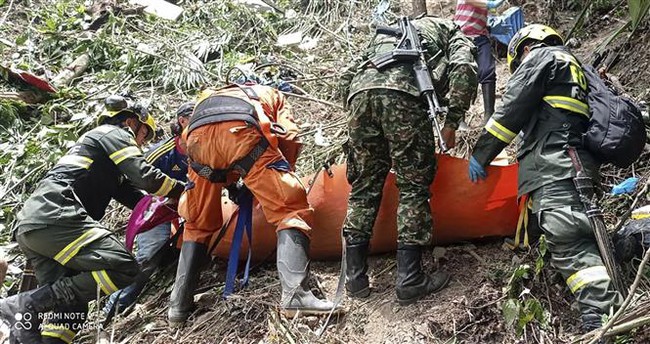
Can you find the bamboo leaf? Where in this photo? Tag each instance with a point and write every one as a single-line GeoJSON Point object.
{"type": "Point", "coordinates": [638, 10]}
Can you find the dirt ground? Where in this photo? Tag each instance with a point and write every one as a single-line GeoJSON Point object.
{"type": "Point", "coordinates": [467, 311]}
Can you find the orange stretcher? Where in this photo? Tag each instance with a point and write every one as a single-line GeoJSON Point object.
{"type": "Point", "coordinates": [461, 211]}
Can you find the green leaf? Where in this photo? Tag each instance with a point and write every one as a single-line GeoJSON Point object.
{"type": "Point", "coordinates": [543, 245]}
{"type": "Point", "coordinates": [51, 24]}
{"type": "Point", "coordinates": [539, 265]}
{"type": "Point", "coordinates": [21, 39]}
{"type": "Point", "coordinates": [510, 311]}
{"type": "Point", "coordinates": [638, 10]}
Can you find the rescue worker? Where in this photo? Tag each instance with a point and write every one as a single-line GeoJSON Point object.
{"type": "Point", "coordinates": [73, 254]}
{"type": "Point", "coordinates": [169, 157]}
{"type": "Point", "coordinates": [472, 17]}
{"type": "Point", "coordinates": [239, 131]}
{"type": "Point", "coordinates": [388, 128]}
{"type": "Point", "coordinates": [546, 98]}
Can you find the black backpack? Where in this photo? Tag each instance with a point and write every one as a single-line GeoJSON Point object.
{"type": "Point", "coordinates": [616, 133]}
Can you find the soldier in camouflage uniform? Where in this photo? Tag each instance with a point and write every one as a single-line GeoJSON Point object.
{"type": "Point", "coordinates": [74, 256]}
{"type": "Point", "coordinates": [388, 128]}
{"type": "Point", "coordinates": [546, 98]}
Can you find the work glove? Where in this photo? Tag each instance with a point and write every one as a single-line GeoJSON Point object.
{"type": "Point", "coordinates": [492, 4]}
{"type": "Point", "coordinates": [476, 171]}
{"type": "Point", "coordinates": [626, 187]}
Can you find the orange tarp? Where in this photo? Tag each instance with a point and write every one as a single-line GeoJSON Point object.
{"type": "Point", "coordinates": [461, 211]}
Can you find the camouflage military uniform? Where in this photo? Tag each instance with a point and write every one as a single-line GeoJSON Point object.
{"type": "Point", "coordinates": [546, 98]}
{"type": "Point", "coordinates": [388, 127]}
{"type": "Point", "coordinates": [58, 228]}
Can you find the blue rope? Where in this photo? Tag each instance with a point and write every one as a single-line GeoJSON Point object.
{"type": "Point", "coordinates": [244, 224]}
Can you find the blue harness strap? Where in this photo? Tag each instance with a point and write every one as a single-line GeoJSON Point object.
{"type": "Point", "coordinates": [244, 224]}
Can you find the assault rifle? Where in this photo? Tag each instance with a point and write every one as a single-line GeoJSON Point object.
{"type": "Point", "coordinates": [409, 48]}
{"type": "Point", "coordinates": [585, 187]}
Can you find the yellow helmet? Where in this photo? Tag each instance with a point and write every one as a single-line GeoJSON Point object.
{"type": "Point", "coordinates": [534, 32]}
{"type": "Point", "coordinates": [117, 104]}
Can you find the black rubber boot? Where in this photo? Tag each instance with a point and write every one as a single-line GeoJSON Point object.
{"type": "Point", "coordinates": [489, 98]}
{"type": "Point", "coordinates": [293, 269]}
{"type": "Point", "coordinates": [23, 313]}
{"type": "Point", "coordinates": [356, 282]}
{"type": "Point", "coordinates": [591, 321]}
{"type": "Point", "coordinates": [412, 283]}
{"type": "Point", "coordinates": [181, 301]}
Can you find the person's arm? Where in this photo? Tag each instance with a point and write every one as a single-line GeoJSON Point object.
{"type": "Point", "coordinates": [523, 97]}
{"type": "Point", "coordinates": [125, 154]}
{"type": "Point", "coordinates": [289, 144]}
{"type": "Point", "coordinates": [463, 78]}
{"type": "Point", "coordinates": [490, 4]}
{"type": "Point", "coordinates": [477, 3]}
{"type": "Point", "coordinates": [128, 195]}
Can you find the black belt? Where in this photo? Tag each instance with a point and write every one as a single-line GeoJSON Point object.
{"type": "Point", "coordinates": [242, 166]}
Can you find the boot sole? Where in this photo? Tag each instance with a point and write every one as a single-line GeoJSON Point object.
{"type": "Point", "coordinates": [406, 302]}
{"type": "Point", "coordinates": [360, 294]}
{"type": "Point", "coordinates": [177, 321]}
{"type": "Point", "coordinates": [290, 312]}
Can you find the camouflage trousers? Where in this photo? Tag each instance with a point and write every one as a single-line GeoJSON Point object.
{"type": "Point", "coordinates": [389, 129]}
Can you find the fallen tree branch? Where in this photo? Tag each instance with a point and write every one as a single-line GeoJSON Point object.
{"type": "Point", "coordinates": [314, 100]}
{"type": "Point", "coordinates": [627, 214]}
{"type": "Point", "coordinates": [628, 326]}
{"type": "Point", "coordinates": [72, 71]}
{"type": "Point", "coordinates": [23, 96]}
{"type": "Point", "coordinates": [628, 299]}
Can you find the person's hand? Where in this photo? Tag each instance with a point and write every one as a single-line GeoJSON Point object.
{"type": "Point", "coordinates": [476, 171]}
{"type": "Point", "coordinates": [491, 4]}
{"type": "Point", "coordinates": [448, 137]}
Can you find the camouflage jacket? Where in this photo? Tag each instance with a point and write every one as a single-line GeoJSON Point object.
{"type": "Point", "coordinates": [450, 58]}
{"type": "Point", "coordinates": [104, 164]}
{"type": "Point", "coordinates": [546, 99]}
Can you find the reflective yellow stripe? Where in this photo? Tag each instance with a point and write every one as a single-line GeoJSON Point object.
{"type": "Point", "coordinates": [76, 160]}
{"type": "Point", "coordinates": [104, 282]}
{"type": "Point", "coordinates": [124, 154]}
{"type": "Point", "coordinates": [585, 276]}
{"type": "Point", "coordinates": [166, 187]}
{"type": "Point", "coordinates": [160, 151]}
{"type": "Point", "coordinates": [568, 103]}
{"type": "Point", "coordinates": [58, 331]}
{"type": "Point", "coordinates": [499, 131]}
{"type": "Point", "coordinates": [73, 248]}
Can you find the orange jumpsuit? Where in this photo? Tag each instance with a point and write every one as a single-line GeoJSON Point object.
{"type": "Point", "coordinates": [280, 193]}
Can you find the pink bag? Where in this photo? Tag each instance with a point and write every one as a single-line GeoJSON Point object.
{"type": "Point", "coordinates": [147, 214]}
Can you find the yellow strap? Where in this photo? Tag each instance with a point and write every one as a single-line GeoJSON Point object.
{"type": "Point", "coordinates": [522, 223]}
{"type": "Point", "coordinates": [568, 103]}
{"type": "Point", "coordinates": [76, 160]}
{"type": "Point", "coordinates": [124, 154]}
{"type": "Point", "coordinates": [104, 282]}
{"type": "Point", "coordinates": [166, 187]}
{"type": "Point", "coordinates": [499, 131]}
{"type": "Point", "coordinates": [586, 276]}
{"type": "Point", "coordinates": [71, 250]}
{"type": "Point", "coordinates": [58, 331]}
